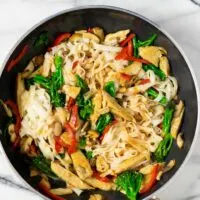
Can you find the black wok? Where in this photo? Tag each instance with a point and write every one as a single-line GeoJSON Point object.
{"type": "Point", "coordinates": [110, 19]}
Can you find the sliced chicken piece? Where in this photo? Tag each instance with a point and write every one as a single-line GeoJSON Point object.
{"type": "Point", "coordinates": [81, 165]}
{"type": "Point", "coordinates": [133, 69]}
{"type": "Point", "coordinates": [152, 54]}
{"type": "Point", "coordinates": [25, 144]}
{"type": "Point", "coordinates": [98, 184]}
{"type": "Point", "coordinates": [76, 37]}
{"type": "Point", "coordinates": [71, 91]}
{"type": "Point", "coordinates": [69, 177]}
{"type": "Point", "coordinates": [131, 163]}
{"type": "Point", "coordinates": [116, 108]}
{"type": "Point", "coordinates": [61, 191]}
{"type": "Point", "coordinates": [97, 101]}
{"type": "Point", "coordinates": [101, 164]}
{"type": "Point", "coordinates": [177, 119]}
{"type": "Point", "coordinates": [99, 33]}
{"type": "Point", "coordinates": [61, 115]}
{"type": "Point", "coordinates": [115, 38]}
{"type": "Point", "coordinates": [180, 141]}
{"type": "Point", "coordinates": [35, 62]}
{"type": "Point", "coordinates": [164, 65]}
{"type": "Point", "coordinates": [96, 197]}
{"type": "Point", "coordinates": [48, 64]}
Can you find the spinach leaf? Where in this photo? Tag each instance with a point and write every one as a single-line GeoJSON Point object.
{"type": "Point", "coordinates": [82, 84]}
{"type": "Point", "coordinates": [110, 88]}
{"type": "Point", "coordinates": [147, 42]}
{"type": "Point", "coordinates": [52, 84]}
{"type": "Point", "coordinates": [43, 165]}
{"type": "Point", "coordinates": [138, 43]}
{"type": "Point", "coordinates": [168, 115]}
{"type": "Point", "coordinates": [82, 142]}
{"type": "Point", "coordinates": [57, 76]}
{"type": "Point", "coordinates": [28, 82]}
{"type": "Point", "coordinates": [103, 121]}
{"type": "Point", "coordinates": [89, 155]}
{"type": "Point", "coordinates": [156, 70]}
{"type": "Point", "coordinates": [153, 93]}
{"type": "Point", "coordinates": [85, 107]}
{"type": "Point", "coordinates": [42, 39]}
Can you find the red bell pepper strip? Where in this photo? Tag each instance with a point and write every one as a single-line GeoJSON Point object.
{"type": "Point", "coordinates": [130, 48]}
{"type": "Point", "coordinates": [126, 76]}
{"type": "Point", "coordinates": [13, 62]}
{"type": "Point", "coordinates": [132, 58]}
{"type": "Point", "coordinates": [61, 38]}
{"type": "Point", "coordinates": [122, 55]}
{"type": "Point", "coordinates": [74, 64]}
{"type": "Point", "coordinates": [70, 103]}
{"type": "Point", "coordinates": [15, 111]}
{"type": "Point", "coordinates": [103, 179]}
{"type": "Point", "coordinates": [105, 131]}
{"type": "Point", "coordinates": [152, 179]}
{"type": "Point", "coordinates": [89, 30]}
{"type": "Point", "coordinates": [73, 146]}
{"type": "Point", "coordinates": [129, 38]}
{"type": "Point", "coordinates": [43, 188]}
{"type": "Point", "coordinates": [74, 116]}
{"type": "Point", "coordinates": [144, 81]}
{"type": "Point", "coordinates": [59, 144]}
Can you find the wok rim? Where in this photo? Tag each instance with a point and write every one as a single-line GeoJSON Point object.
{"type": "Point", "coordinates": [176, 44]}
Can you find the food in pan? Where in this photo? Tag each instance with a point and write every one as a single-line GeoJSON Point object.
{"type": "Point", "coordinates": [96, 111]}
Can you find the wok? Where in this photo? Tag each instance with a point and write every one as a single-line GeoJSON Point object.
{"type": "Point", "coordinates": [110, 19]}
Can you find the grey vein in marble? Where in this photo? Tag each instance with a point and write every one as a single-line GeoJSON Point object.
{"type": "Point", "coordinates": [196, 2]}
{"type": "Point", "coordinates": [8, 182]}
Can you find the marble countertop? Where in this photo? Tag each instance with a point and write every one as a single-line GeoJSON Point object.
{"type": "Point", "coordinates": [180, 18]}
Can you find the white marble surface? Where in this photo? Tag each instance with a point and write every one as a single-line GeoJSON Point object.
{"type": "Point", "coordinates": [181, 18]}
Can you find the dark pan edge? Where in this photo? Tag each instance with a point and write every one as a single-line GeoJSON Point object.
{"type": "Point", "coordinates": [153, 24]}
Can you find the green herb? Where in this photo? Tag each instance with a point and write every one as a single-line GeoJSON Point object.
{"type": "Point", "coordinates": [52, 84]}
{"type": "Point", "coordinates": [130, 62]}
{"type": "Point", "coordinates": [62, 155]}
{"type": "Point", "coordinates": [153, 93]}
{"type": "Point", "coordinates": [85, 107]}
{"type": "Point", "coordinates": [82, 142]}
{"type": "Point", "coordinates": [130, 183]}
{"type": "Point", "coordinates": [163, 148]}
{"type": "Point", "coordinates": [82, 84]}
{"type": "Point", "coordinates": [42, 40]}
{"type": "Point", "coordinates": [89, 155]}
{"type": "Point", "coordinates": [110, 88]}
{"type": "Point", "coordinates": [147, 42]}
{"type": "Point", "coordinates": [156, 70]}
{"type": "Point", "coordinates": [139, 43]}
{"type": "Point", "coordinates": [43, 81]}
{"type": "Point", "coordinates": [168, 115]}
{"type": "Point", "coordinates": [57, 76]}
{"type": "Point", "coordinates": [103, 121]}
{"type": "Point", "coordinates": [43, 165]}
{"type": "Point", "coordinates": [28, 82]}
